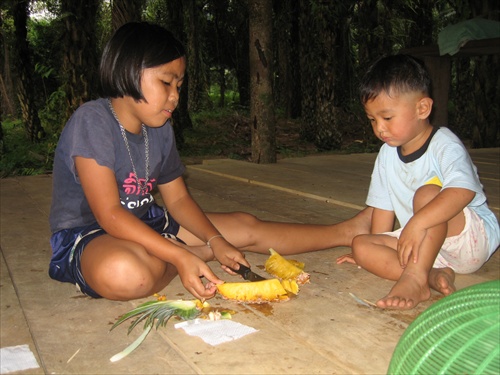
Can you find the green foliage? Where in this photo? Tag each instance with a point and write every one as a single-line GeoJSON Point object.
{"type": "Point", "coordinates": [225, 133]}
{"type": "Point", "coordinates": [217, 133]}
{"type": "Point", "coordinates": [44, 40]}
{"type": "Point", "coordinates": [360, 32]}
{"type": "Point", "coordinates": [53, 115]}
{"type": "Point", "coordinates": [21, 157]}
{"type": "Point", "coordinates": [231, 97]}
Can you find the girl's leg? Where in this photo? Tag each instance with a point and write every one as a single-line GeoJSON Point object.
{"type": "Point", "coordinates": [124, 270]}
{"type": "Point", "coordinates": [248, 233]}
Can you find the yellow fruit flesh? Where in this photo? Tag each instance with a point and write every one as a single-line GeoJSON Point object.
{"type": "Point", "coordinates": [280, 267]}
{"type": "Point", "coordinates": [290, 286]}
{"type": "Point", "coordinates": [296, 263]}
{"type": "Point", "coordinates": [254, 292]}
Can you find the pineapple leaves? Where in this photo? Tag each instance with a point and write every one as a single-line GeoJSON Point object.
{"type": "Point", "coordinates": [129, 349]}
{"type": "Point", "coordinates": [159, 310]}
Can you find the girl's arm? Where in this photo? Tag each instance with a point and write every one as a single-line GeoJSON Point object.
{"type": "Point", "coordinates": [190, 216]}
{"type": "Point", "coordinates": [101, 191]}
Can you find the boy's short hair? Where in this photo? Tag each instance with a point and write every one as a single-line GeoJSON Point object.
{"type": "Point", "coordinates": [396, 74]}
{"type": "Point", "coordinates": [134, 47]}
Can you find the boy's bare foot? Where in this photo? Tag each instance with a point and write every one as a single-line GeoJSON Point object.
{"type": "Point", "coordinates": [442, 280]}
{"type": "Point", "coordinates": [407, 293]}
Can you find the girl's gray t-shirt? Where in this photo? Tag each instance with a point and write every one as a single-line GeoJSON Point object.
{"type": "Point", "coordinates": [92, 132]}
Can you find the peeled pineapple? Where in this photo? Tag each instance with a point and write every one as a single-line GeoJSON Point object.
{"type": "Point", "coordinates": [280, 267]}
{"type": "Point", "coordinates": [296, 263]}
{"type": "Point", "coordinates": [254, 292]}
{"type": "Point", "coordinates": [290, 286]}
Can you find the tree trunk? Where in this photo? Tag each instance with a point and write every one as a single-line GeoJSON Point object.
{"type": "Point", "coordinates": [79, 43]}
{"type": "Point", "coordinates": [222, 84]}
{"type": "Point", "coordinates": [174, 21]}
{"type": "Point", "coordinates": [196, 67]}
{"type": "Point", "coordinates": [6, 85]}
{"type": "Point", "coordinates": [287, 82]}
{"type": "Point", "coordinates": [261, 96]}
{"type": "Point", "coordinates": [320, 48]}
{"type": "Point", "coordinates": [25, 93]}
{"type": "Point", "coordinates": [308, 70]}
{"type": "Point", "coordinates": [242, 60]}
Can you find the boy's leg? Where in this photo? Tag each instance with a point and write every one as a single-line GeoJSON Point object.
{"type": "Point", "coordinates": [417, 278]}
{"type": "Point", "coordinates": [248, 233]}
{"type": "Point", "coordinates": [377, 254]}
{"type": "Point", "coordinates": [413, 282]}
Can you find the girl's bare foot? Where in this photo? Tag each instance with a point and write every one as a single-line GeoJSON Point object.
{"type": "Point", "coordinates": [364, 221]}
{"type": "Point", "coordinates": [442, 280]}
{"type": "Point", "coordinates": [408, 292]}
{"type": "Point", "coordinates": [358, 224]}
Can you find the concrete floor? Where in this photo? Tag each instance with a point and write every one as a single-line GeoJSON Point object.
{"type": "Point", "coordinates": [322, 331]}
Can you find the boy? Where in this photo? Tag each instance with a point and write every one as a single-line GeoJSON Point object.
{"type": "Point", "coordinates": [424, 178]}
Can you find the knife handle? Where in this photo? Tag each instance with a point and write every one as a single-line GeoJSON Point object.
{"type": "Point", "coordinates": [243, 270]}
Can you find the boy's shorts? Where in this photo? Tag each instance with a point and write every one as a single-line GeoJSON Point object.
{"type": "Point", "coordinates": [465, 252]}
{"type": "Point", "coordinates": [68, 245]}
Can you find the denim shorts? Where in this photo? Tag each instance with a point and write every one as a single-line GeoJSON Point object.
{"type": "Point", "coordinates": [68, 245]}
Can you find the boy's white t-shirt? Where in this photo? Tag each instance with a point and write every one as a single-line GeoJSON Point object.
{"type": "Point", "coordinates": [444, 161]}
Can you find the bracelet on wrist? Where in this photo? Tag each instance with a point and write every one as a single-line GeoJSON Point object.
{"type": "Point", "coordinates": [211, 238]}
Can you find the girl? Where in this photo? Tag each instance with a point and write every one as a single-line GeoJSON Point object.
{"type": "Point", "coordinates": [109, 236]}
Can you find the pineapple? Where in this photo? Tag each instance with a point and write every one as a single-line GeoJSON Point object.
{"type": "Point", "coordinates": [254, 292]}
{"type": "Point", "coordinates": [280, 267]}
{"type": "Point", "coordinates": [290, 286]}
{"type": "Point", "coordinates": [296, 263]}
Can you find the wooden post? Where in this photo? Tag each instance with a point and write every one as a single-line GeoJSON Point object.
{"type": "Point", "coordinates": [439, 68]}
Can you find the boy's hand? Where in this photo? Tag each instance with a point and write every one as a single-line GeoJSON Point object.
{"type": "Point", "coordinates": [409, 243]}
{"type": "Point", "coordinates": [191, 269]}
{"type": "Point", "coordinates": [346, 258]}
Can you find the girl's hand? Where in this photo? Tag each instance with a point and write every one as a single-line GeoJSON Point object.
{"type": "Point", "coordinates": [228, 256]}
{"type": "Point", "coordinates": [409, 243]}
{"type": "Point", "coordinates": [191, 269]}
{"type": "Point", "coordinates": [346, 258]}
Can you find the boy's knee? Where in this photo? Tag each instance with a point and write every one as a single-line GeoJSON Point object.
{"type": "Point", "coordinates": [424, 195]}
{"type": "Point", "coordinates": [359, 244]}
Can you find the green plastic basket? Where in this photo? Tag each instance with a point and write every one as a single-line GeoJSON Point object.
{"type": "Point", "coordinates": [459, 334]}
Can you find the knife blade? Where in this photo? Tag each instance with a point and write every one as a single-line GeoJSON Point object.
{"type": "Point", "coordinates": [248, 274]}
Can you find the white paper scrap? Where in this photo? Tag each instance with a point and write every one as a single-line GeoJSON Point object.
{"type": "Point", "coordinates": [215, 332]}
{"type": "Point", "coordinates": [17, 358]}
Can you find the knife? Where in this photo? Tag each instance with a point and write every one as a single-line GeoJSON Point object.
{"type": "Point", "coordinates": [248, 274]}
